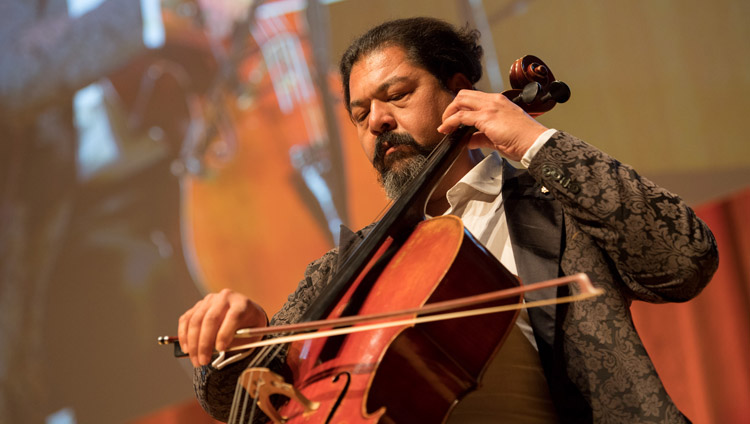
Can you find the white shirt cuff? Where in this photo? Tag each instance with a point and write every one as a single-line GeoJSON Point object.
{"type": "Point", "coordinates": [538, 143]}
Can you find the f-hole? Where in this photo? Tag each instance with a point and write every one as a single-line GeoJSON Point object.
{"type": "Point", "coordinates": [341, 395]}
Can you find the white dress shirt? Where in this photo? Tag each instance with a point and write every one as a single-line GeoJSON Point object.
{"type": "Point", "coordinates": [514, 388]}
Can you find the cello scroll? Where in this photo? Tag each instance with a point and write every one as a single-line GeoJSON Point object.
{"type": "Point", "coordinates": [534, 87]}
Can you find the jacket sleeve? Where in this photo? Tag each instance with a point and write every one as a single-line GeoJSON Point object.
{"type": "Point", "coordinates": [662, 250]}
{"type": "Point", "coordinates": [215, 388]}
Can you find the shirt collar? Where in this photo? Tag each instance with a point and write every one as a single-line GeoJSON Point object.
{"type": "Point", "coordinates": [486, 177]}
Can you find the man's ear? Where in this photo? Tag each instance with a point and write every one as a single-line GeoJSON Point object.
{"type": "Point", "coordinates": [459, 82]}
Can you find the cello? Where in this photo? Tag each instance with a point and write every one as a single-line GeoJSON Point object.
{"type": "Point", "coordinates": [358, 377]}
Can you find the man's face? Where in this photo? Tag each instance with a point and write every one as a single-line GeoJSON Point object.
{"type": "Point", "coordinates": [397, 108]}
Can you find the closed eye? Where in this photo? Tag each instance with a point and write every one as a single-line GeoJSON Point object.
{"type": "Point", "coordinates": [360, 118]}
{"type": "Point", "coordinates": [396, 97]}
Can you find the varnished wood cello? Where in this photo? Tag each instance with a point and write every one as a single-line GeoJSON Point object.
{"type": "Point", "coordinates": [406, 262]}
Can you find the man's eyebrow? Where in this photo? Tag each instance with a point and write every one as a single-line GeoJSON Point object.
{"type": "Point", "coordinates": [382, 87]}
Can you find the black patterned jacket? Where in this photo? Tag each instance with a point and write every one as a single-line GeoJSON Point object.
{"type": "Point", "coordinates": [575, 210]}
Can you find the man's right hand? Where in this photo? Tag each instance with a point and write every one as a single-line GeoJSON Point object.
{"type": "Point", "coordinates": [211, 323]}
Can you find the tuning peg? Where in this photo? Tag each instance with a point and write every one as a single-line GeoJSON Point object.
{"type": "Point", "coordinates": [530, 93]}
{"type": "Point", "coordinates": [558, 91]}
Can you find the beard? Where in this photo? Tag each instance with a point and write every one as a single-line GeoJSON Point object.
{"type": "Point", "coordinates": [396, 170]}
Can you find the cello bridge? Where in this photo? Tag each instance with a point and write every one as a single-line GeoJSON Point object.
{"type": "Point", "coordinates": [261, 383]}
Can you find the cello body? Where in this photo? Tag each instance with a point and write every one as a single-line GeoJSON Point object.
{"type": "Point", "coordinates": [408, 373]}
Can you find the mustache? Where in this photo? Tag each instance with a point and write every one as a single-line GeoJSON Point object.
{"type": "Point", "coordinates": [390, 139]}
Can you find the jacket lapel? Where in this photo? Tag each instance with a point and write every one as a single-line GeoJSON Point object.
{"type": "Point", "coordinates": [535, 227]}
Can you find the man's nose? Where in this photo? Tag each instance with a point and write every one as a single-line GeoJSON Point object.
{"type": "Point", "coordinates": [381, 118]}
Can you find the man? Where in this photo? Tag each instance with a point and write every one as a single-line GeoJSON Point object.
{"type": "Point", "coordinates": [408, 82]}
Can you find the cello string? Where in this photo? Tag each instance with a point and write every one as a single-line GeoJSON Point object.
{"type": "Point", "coordinates": [233, 410]}
{"type": "Point", "coordinates": [243, 399]}
{"type": "Point", "coordinates": [254, 408]}
{"type": "Point", "coordinates": [240, 399]}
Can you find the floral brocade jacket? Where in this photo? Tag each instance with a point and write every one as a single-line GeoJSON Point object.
{"type": "Point", "coordinates": [575, 210]}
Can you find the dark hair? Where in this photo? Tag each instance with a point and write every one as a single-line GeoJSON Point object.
{"type": "Point", "coordinates": [430, 43]}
